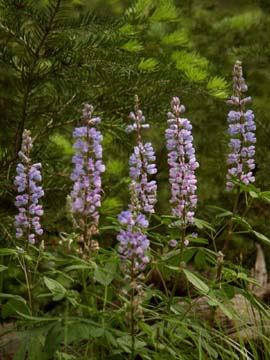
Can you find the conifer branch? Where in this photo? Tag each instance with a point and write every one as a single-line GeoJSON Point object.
{"type": "Point", "coordinates": [21, 125]}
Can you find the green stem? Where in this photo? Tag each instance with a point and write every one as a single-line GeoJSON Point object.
{"type": "Point", "coordinates": [132, 310]}
{"type": "Point", "coordinates": [230, 228]}
{"type": "Point", "coordinates": [27, 276]}
{"type": "Point", "coordinates": [104, 305]}
{"type": "Point", "coordinates": [180, 262]}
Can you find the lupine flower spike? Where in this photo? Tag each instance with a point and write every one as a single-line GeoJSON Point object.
{"type": "Point", "coordinates": [87, 188]}
{"type": "Point", "coordinates": [133, 242]}
{"type": "Point", "coordinates": [27, 222]}
{"type": "Point", "coordinates": [182, 163]}
{"type": "Point", "coordinates": [242, 132]}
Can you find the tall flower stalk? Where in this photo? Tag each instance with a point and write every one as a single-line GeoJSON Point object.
{"type": "Point", "coordinates": [182, 163]}
{"type": "Point", "coordinates": [27, 222]}
{"type": "Point", "coordinates": [241, 129]}
{"type": "Point", "coordinates": [134, 243]}
{"type": "Point", "coordinates": [242, 133]}
{"type": "Point", "coordinates": [87, 187]}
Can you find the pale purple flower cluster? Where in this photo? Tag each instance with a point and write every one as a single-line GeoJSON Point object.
{"type": "Point", "coordinates": [133, 243]}
{"type": "Point", "coordinates": [242, 132]}
{"type": "Point", "coordinates": [86, 193]}
{"type": "Point", "coordinates": [141, 165]}
{"type": "Point", "coordinates": [27, 222]}
{"type": "Point", "coordinates": [182, 163]}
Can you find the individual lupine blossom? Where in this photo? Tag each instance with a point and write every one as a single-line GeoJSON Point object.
{"type": "Point", "coordinates": [182, 163]}
{"type": "Point", "coordinates": [174, 242]}
{"type": "Point", "coordinates": [133, 243]}
{"type": "Point", "coordinates": [142, 165]}
{"type": "Point", "coordinates": [242, 132]}
{"type": "Point", "coordinates": [86, 193]}
{"type": "Point", "coordinates": [27, 222]}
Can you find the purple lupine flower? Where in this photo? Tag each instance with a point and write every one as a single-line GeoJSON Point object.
{"type": "Point", "coordinates": [142, 166]}
{"type": "Point", "coordinates": [182, 163]}
{"type": "Point", "coordinates": [27, 222]}
{"type": "Point", "coordinates": [241, 130]}
{"type": "Point", "coordinates": [133, 242]}
{"type": "Point", "coordinates": [86, 193]}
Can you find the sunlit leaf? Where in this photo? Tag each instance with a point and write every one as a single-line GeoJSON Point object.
{"type": "Point", "coordinates": [196, 281]}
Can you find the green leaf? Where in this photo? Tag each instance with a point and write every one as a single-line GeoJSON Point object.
{"type": "Point", "coordinates": [146, 328]}
{"type": "Point", "coordinates": [197, 240]}
{"type": "Point", "coordinates": [105, 275]}
{"type": "Point", "coordinates": [11, 296]}
{"type": "Point", "coordinates": [5, 252]}
{"type": "Point", "coordinates": [13, 306]}
{"type": "Point", "coordinates": [213, 301]}
{"type": "Point", "coordinates": [261, 237]}
{"type": "Point", "coordinates": [3, 268]}
{"type": "Point", "coordinates": [224, 212]}
{"type": "Point", "coordinates": [201, 224]}
{"type": "Point", "coordinates": [21, 351]}
{"type": "Point", "coordinates": [56, 288]}
{"type": "Point", "coordinates": [78, 267]}
{"type": "Point", "coordinates": [35, 349]}
{"type": "Point", "coordinates": [54, 338]}
{"type": "Point", "coordinates": [200, 260]}
{"type": "Point", "coordinates": [240, 220]}
{"type": "Point", "coordinates": [195, 281]}
{"type": "Point", "coordinates": [253, 194]}
{"type": "Point", "coordinates": [265, 195]}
